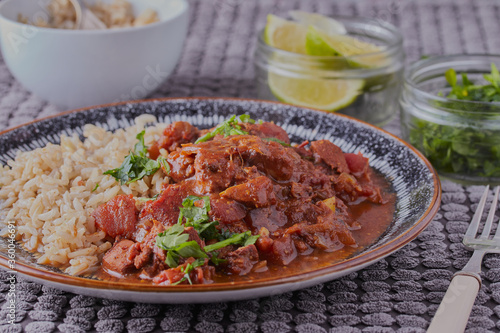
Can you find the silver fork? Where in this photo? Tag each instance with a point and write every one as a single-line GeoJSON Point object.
{"type": "Point", "coordinates": [454, 310]}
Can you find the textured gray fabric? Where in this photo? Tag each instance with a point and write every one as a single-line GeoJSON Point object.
{"type": "Point", "coordinates": [397, 294]}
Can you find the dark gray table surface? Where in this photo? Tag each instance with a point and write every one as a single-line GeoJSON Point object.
{"type": "Point", "coordinates": [397, 294]}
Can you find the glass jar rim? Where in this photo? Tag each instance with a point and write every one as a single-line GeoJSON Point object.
{"type": "Point", "coordinates": [435, 62]}
{"type": "Point", "coordinates": [390, 48]}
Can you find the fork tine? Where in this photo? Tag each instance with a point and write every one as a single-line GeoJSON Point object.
{"type": "Point", "coordinates": [493, 210]}
{"type": "Point", "coordinates": [491, 215]}
{"type": "Point", "coordinates": [474, 224]}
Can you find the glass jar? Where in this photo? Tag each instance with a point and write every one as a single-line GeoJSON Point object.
{"type": "Point", "coordinates": [460, 138]}
{"type": "Point", "coordinates": [366, 86]}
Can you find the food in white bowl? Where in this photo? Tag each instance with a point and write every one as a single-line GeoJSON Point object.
{"type": "Point", "coordinates": [78, 68]}
{"type": "Point", "coordinates": [120, 14]}
{"type": "Point", "coordinates": [117, 14]}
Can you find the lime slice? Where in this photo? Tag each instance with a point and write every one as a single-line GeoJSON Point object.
{"type": "Point", "coordinates": [323, 23]}
{"type": "Point", "coordinates": [323, 94]}
{"type": "Point", "coordinates": [365, 54]}
{"type": "Point", "coordinates": [285, 35]}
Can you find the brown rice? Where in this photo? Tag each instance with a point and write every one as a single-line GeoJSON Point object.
{"type": "Point", "coordinates": [50, 193]}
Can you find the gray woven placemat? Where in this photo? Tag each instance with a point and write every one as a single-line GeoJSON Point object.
{"type": "Point", "coordinates": [398, 294]}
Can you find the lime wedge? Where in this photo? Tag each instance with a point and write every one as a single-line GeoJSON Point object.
{"type": "Point", "coordinates": [321, 22]}
{"type": "Point", "coordinates": [360, 53]}
{"type": "Point", "coordinates": [285, 35]}
{"type": "Point", "coordinates": [323, 94]}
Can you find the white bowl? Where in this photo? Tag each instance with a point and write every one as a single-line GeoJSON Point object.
{"type": "Point", "coordinates": [78, 68]}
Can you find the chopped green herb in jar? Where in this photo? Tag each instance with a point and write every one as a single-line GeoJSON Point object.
{"type": "Point", "coordinates": [468, 149]}
{"type": "Point", "coordinates": [469, 91]}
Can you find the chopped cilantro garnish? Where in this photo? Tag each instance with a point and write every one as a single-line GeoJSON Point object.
{"type": "Point", "coordinates": [207, 230]}
{"type": "Point", "coordinates": [172, 237]}
{"type": "Point", "coordinates": [215, 259]}
{"type": "Point", "coordinates": [243, 239]}
{"type": "Point", "coordinates": [188, 269]}
{"type": "Point", "coordinates": [284, 144]}
{"type": "Point", "coordinates": [191, 212]}
{"type": "Point", "coordinates": [190, 249]}
{"type": "Point", "coordinates": [95, 187]}
{"type": "Point", "coordinates": [228, 127]}
{"type": "Point", "coordinates": [197, 217]}
{"type": "Point", "coordinates": [136, 164]}
{"type": "Point", "coordinates": [164, 164]}
{"type": "Point", "coordinates": [176, 243]}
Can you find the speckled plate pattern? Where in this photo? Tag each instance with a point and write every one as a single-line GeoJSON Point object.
{"type": "Point", "coordinates": [411, 176]}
